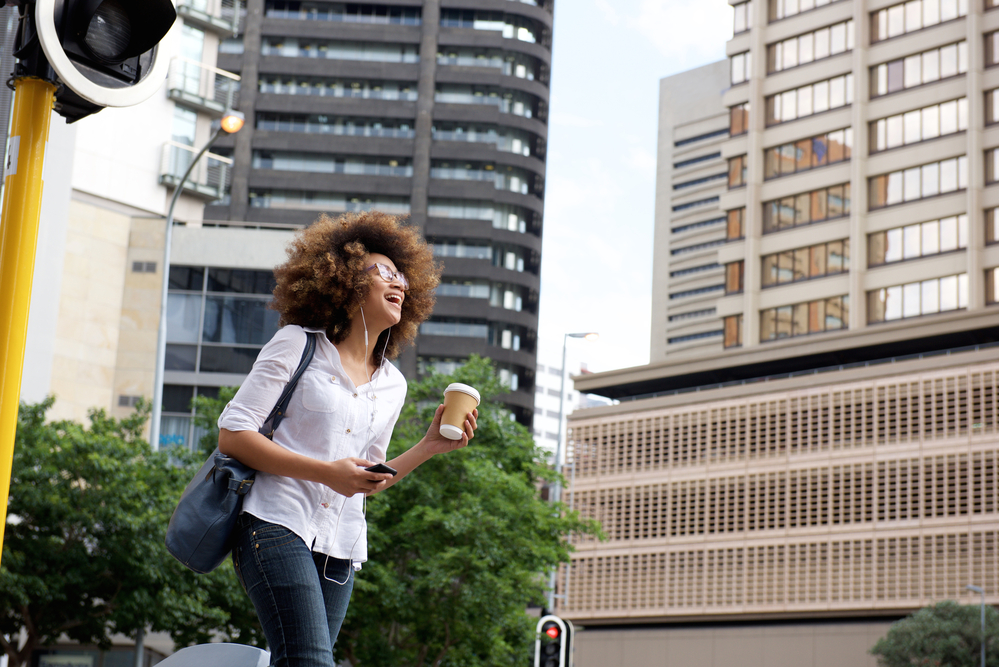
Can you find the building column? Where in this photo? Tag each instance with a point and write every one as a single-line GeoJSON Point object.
{"type": "Point", "coordinates": [858, 167]}
{"type": "Point", "coordinates": [754, 180]}
{"type": "Point", "coordinates": [976, 158]}
{"type": "Point", "coordinates": [239, 191]}
{"type": "Point", "coordinates": [426, 87]}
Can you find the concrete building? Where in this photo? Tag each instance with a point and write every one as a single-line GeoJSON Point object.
{"type": "Point", "coordinates": [778, 494]}
{"type": "Point", "coordinates": [435, 110]}
{"type": "Point", "coordinates": [691, 176]}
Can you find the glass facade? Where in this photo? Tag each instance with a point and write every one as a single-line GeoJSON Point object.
{"type": "Point", "coordinates": [806, 208]}
{"type": "Point", "coordinates": [914, 183]}
{"type": "Point", "coordinates": [917, 240]}
{"type": "Point", "coordinates": [818, 151]}
{"type": "Point", "coordinates": [816, 261]}
{"type": "Point", "coordinates": [924, 297]}
{"type": "Point", "coordinates": [802, 319]}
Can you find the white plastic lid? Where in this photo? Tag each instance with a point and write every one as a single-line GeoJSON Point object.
{"type": "Point", "coordinates": [451, 432]}
{"type": "Point", "coordinates": [465, 389]}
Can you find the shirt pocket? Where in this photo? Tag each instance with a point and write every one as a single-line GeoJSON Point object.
{"type": "Point", "coordinates": [319, 391]}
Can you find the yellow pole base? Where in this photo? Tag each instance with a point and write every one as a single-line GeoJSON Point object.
{"type": "Point", "coordinates": [33, 100]}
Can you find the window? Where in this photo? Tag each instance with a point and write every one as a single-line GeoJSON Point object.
{"type": "Point", "coordinates": [506, 101]}
{"type": "Point", "coordinates": [738, 119]}
{"type": "Point", "coordinates": [694, 269]}
{"type": "Point", "coordinates": [803, 49]}
{"type": "Point", "coordinates": [914, 15]}
{"type": "Point", "coordinates": [177, 428]}
{"type": "Point", "coordinates": [992, 286]}
{"type": "Point", "coordinates": [294, 47]}
{"type": "Point", "coordinates": [696, 247]}
{"type": "Point", "coordinates": [918, 240]}
{"type": "Point", "coordinates": [696, 292]}
{"type": "Point", "coordinates": [733, 277]}
{"type": "Point", "coordinates": [733, 331]}
{"type": "Point", "coordinates": [697, 225]}
{"type": "Point", "coordinates": [802, 319]}
{"type": "Point", "coordinates": [343, 13]}
{"type": "Point", "coordinates": [780, 9]}
{"type": "Point", "coordinates": [696, 336]}
{"type": "Point", "coordinates": [505, 139]}
{"type": "Point", "coordinates": [695, 160]}
{"type": "Point", "coordinates": [741, 67]}
{"type": "Point", "coordinates": [743, 17]}
{"type": "Point", "coordinates": [811, 99]}
{"type": "Point", "coordinates": [808, 154]}
{"type": "Point", "coordinates": [699, 181]}
{"type": "Point", "coordinates": [737, 171]}
{"type": "Point", "coordinates": [462, 249]}
{"type": "Point", "coordinates": [310, 200]}
{"type": "Point", "coordinates": [503, 177]}
{"type": "Point", "coordinates": [928, 180]}
{"type": "Point", "coordinates": [455, 327]}
{"type": "Point", "coordinates": [817, 261]}
{"type": "Point", "coordinates": [919, 125]}
{"type": "Point", "coordinates": [325, 163]}
{"type": "Point", "coordinates": [510, 64]}
{"type": "Point", "coordinates": [936, 295]}
{"type": "Point", "coordinates": [217, 319]}
{"type": "Point", "coordinates": [322, 124]}
{"type": "Point", "coordinates": [701, 137]}
{"type": "Point", "coordinates": [502, 216]}
{"type": "Point", "coordinates": [315, 86]}
{"type": "Point", "coordinates": [919, 69]}
{"type": "Point", "coordinates": [806, 208]}
{"type": "Point", "coordinates": [692, 315]}
{"type": "Point", "coordinates": [695, 204]}
{"type": "Point", "coordinates": [511, 26]}
{"type": "Point", "coordinates": [992, 166]}
{"type": "Point", "coordinates": [736, 228]}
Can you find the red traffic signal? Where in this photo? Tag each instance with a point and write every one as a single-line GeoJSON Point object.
{"type": "Point", "coordinates": [552, 632]}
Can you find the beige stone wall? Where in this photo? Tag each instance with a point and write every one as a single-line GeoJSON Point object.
{"type": "Point", "coordinates": [778, 645]}
{"type": "Point", "coordinates": [90, 303]}
{"type": "Point", "coordinates": [136, 360]}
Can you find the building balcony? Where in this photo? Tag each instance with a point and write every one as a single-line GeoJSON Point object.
{"type": "Point", "coordinates": [218, 16]}
{"type": "Point", "coordinates": [209, 179]}
{"type": "Point", "coordinates": [201, 87]}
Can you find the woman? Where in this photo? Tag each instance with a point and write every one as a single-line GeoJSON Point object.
{"type": "Point", "coordinates": [364, 283]}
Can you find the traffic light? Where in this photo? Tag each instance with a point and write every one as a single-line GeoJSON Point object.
{"type": "Point", "coordinates": [553, 646]}
{"type": "Point", "coordinates": [104, 53]}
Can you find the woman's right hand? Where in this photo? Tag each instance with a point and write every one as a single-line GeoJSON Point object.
{"type": "Point", "coordinates": [348, 477]}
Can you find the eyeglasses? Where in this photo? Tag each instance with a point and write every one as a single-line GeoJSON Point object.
{"type": "Point", "coordinates": [388, 275]}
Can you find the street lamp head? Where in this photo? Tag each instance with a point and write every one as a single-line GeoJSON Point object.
{"type": "Point", "coordinates": [233, 121]}
{"type": "Point", "coordinates": [975, 589]}
{"type": "Point", "coordinates": [588, 335]}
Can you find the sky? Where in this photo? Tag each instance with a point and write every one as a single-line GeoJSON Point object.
{"type": "Point", "coordinates": [608, 57]}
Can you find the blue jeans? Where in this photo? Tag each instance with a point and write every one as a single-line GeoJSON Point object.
{"type": "Point", "coordinates": [300, 609]}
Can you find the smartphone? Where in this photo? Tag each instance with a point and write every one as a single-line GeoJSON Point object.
{"type": "Point", "coordinates": [381, 467]}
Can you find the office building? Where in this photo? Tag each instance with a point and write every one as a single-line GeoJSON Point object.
{"type": "Point", "coordinates": [779, 493]}
{"type": "Point", "coordinates": [433, 110]}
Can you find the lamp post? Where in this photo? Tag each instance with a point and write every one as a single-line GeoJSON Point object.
{"type": "Point", "coordinates": [231, 122]}
{"type": "Point", "coordinates": [979, 589]}
{"type": "Point", "coordinates": [556, 491]}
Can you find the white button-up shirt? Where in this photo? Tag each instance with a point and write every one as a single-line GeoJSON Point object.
{"type": "Point", "coordinates": [328, 419]}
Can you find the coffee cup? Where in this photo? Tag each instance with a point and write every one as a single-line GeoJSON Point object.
{"type": "Point", "coordinates": [459, 400]}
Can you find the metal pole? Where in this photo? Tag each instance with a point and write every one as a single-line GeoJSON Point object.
{"type": "Point", "coordinates": [983, 627]}
{"type": "Point", "coordinates": [22, 205]}
{"type": "Point", "coordinates": [154, 421]}
{"type": "Point", "coordinates": [557, 487]}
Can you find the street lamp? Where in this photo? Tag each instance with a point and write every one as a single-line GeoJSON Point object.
{"type": "Point", "coordinates": [556, 490]}
{"type": "Point", "coordinates": [979, 589]}
{"type": "Point", "coordinates": [231, 122]}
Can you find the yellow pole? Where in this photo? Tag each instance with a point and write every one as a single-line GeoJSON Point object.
{"type": "Point", "coordinates": [22, 202]}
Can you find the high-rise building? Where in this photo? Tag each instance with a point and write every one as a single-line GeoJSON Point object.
{"type": "Point", "coordinates": [778, 493]}
{"type": "Point", "coordinates": [436, 110]}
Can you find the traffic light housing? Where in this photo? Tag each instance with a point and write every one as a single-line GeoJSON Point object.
{"type": "Point", "coordinates": [553, 646]}
{"type": "Point", "coordinates": [102, 53]}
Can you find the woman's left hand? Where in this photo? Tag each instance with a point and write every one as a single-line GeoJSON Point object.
{"type": "Point", "coordinates": [436, 443]}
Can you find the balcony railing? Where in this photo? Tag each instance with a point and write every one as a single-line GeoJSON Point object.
{"type": "Point", "coordinates": [206, 88]}
{"type": "Point", "coordinates": [219, 16]}
{"type": "Point", "coordinates": [210, 178]}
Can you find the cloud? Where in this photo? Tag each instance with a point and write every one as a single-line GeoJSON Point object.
{"type": "Point", "coordinates": [684, 31]}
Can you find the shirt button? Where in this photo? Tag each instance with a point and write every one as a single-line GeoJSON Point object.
{"type": "Point", "coordinates": [332, 378]}
{"type": "Point", "coordinates": [348, 430]}
{"type": "Point", "coordinates": [355, 395]}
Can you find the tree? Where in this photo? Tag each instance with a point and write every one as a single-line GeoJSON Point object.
{"type": "Point", "coordinates": [458, 549]}
{"type": "Point", "coordinates": [83, 551]}
{"type": "Point", "coordinates": [944, 635]}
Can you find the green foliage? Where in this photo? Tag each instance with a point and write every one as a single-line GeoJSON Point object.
{"type": "Point", "coordinates": [944, 635]}
{"type": "Point", "coordinates": [83, 549]}
{"type": "Point", "coordinates": [458, 549]}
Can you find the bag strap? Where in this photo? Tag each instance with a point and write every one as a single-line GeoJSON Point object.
{"type": "Point", "coordinates": [278, 413]}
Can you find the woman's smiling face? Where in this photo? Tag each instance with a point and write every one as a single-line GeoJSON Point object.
{"type": "Point", "coordinates": [384, 297]}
